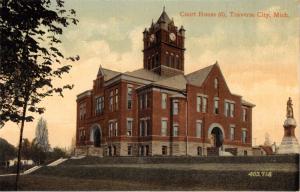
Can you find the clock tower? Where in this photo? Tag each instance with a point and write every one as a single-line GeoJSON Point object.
{"type": "Point", "coordinates": [164, 47]}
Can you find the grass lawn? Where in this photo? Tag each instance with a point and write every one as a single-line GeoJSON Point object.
{"type": "Point", "coordinates": [270, 173]}
{"type": "Point", "coordinates": [42, 182]}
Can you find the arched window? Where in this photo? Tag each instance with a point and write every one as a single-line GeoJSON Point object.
{"type": "Point", "coordinates": [216, 83]}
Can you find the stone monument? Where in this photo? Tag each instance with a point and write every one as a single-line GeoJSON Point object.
{"type": "Point", "coordinates": [289, 143]}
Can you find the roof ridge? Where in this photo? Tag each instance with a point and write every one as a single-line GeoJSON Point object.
{"type": "Point", "coordinates": [210, 66]}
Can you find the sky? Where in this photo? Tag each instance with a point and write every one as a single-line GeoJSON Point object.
{"type": "Point", "coordinates": [258, 56]}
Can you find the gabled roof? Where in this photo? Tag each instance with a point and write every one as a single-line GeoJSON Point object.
{"type": "Point", "coordinates": [198, 77]}
{"type": "Point", "coordinates": [145, 74]}
{"type": "Point", "coordinates": [267, 149]}
{"type": "Point", "coordinates": [107, 73]}
{"type": "Point", "coordinates": [246, 103]}
{"type": "Point", "coordinates": [175, 82]}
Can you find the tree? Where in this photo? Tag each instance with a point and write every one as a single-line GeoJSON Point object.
{"type": "Point", "coordinates": [38, 155]}
{"type": "Point", "coordinates": [58, 153]}
{"type": "Point", "coordinates": [26, 149]}
{"type": "Point", "coordinates": [73, 145]}
{"type": "Point", "coordinates": [41, 135]}
{"type": "Point", "coordinates": [7, 151]}
{"type": "Point", "coordinates": [30, 58]}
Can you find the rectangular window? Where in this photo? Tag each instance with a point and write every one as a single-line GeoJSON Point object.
{"type": "Point", "coordinates": [175, 130]}
{"type": "Point", "coordinates": [82, 111]}
{"type": "Point", "coordinates": [231, 109]}
{"type": "Point", "coordinates": [129, 97]}
{"type": "Point", "coordinates": [216, 106]}
{"type": "Point", "coordinates": [129, 127]}
{"type": "Point", "coordinates": [204, 104]}
{"type": "Point", "coordinates": [199, 151]}
{"type": "Point", "coordinates": [147, 150]}
{"type": "Point", "coordinates": [129, 150]}
{"type": "Point", "coordinates": [99, 105]}
{"type": "Point", "coordinates": [232, 130]}
{"type": "Point", "coordinates": [175, 107]}
{"type": "Point", "coordinates": [163, 100]}
{"type": "Point", "coordinates": [111, 101]}
{"type": "Point", "coordinates": [148, 127]}
{"type": "Point", "coordinates": [143, 128]}
{"type": "Point", "coordinates": [115, 150]}
{"type": "Point", "coordinates": [116, 128]}
{"type": "Point", "coordinates": [164, 150]}
{"type": "Point", "coordinates": [198, 129]}
{"type": "Point", "coordinates": [227, 109]}
{"type": "Point", "coordinates": [244, 136]}
{"type": "Point", "coordinates": [146, 101]}
{"type": "Point", "coordinates": [164, 128]}
{"type": "Point", "coordinates": [244, 114]}
{"type": "Point", "coordinates": [141, 101]}
{"type": "Point", "coordinates": [198, 104]}
{"type": "Point", "coordinates": [110, 129]}
{"type": "Point", "coordinates": [116, 99]}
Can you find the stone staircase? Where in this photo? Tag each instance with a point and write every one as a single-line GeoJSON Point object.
{"type": "Point", "coordinates": [57, 162]}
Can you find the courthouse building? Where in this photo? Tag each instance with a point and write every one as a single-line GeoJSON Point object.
{"type": "Point", "coordinates": [160, 110]}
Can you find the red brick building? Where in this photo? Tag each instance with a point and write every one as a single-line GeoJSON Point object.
{"type": "Point", "coordinates": [158, 110]}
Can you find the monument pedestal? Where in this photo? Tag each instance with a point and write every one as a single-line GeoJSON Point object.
{"type": "Point", "coordinates": [289, 145]}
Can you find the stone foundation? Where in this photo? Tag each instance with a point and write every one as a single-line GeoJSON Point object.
{"type": "Point", "coordinates": [155, 148]}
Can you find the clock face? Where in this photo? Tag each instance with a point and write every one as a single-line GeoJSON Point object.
{"type": "Point", "coordinates": [172, 37]}
{"type": "Point", "coordinates": [152, 38]}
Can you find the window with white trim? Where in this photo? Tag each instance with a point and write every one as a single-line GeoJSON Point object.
{"type": "Point", "coordinates": [111, 101]}
{"type": "Point", "coordinates": [198, 129]}
{"type": "Point", "coordinates": [82, 111]}
{"type": "Point", "coordinates": [244, 115]}
{"type": "Point", "coordinates": [110, 129]}
{"type": "Point", "coordinates": [232, 132]}
{"type": "Point", "coordinates": [175, 130]}
{"type": "Point", "coordinates": [163, 100]}
{"type": "Point", "coordinates": [116, 99]}
{"type": "Point", "coordinates": [144, 127]}
{"type": "Point", "coordinates": [226, 109]}
{"type": "Point", "coordinates": [175, 107]}
{"type": "Point", "coordinates": [116, 129]}
{"type": "Point", "coordinates": [129, 127]}
{"type": "Point", "coordinates": [216, 105]}
{"type": "Point", "coordinates": [163, 127]}
{"type": "Point", "coordinates": [129, 97]}
{"type": "Point", "coordinates": [232, 109]}
{"type": "Point", "coordinates": [99, 105]}
{"type": "Point", "coordinates": [244, 136]}
{"type": "Point", "coordinates": [204, 104]}
{"type": "Point", "coordinates": [216, 83]}
{"type": "Point", "coordinates": [198, 104]}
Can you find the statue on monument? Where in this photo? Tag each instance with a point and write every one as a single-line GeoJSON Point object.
{"type": "Point", "coordinates": [289, 143]}
{"type": "Point", "coordinates": [289, 109]}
